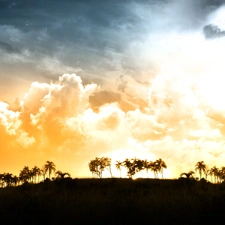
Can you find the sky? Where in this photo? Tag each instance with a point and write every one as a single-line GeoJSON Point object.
{"type": "Point", "coordinates": [119, 79]}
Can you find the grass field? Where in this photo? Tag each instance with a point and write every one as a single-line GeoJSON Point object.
{"type": "Point", "coordinates": [114, 202]}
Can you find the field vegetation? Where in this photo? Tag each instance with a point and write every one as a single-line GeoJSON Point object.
{"type": "Point", "coordinates": [119, 201]}
{"type": "Point", "coordinates": [114, 201]}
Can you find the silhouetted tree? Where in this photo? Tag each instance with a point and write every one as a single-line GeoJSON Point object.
{"type": "Point", "coordinates": [160, 165]}
{"type": "Point", "coordinates": [39, 173]}
{"type": "Point", "coordinates": [133, 166]}
{"type": "Point", "coordinates": [49, 167]}
{"type": "Point", "coordinates": [127, 163]}
{"type": "Point", "coordinates": [25, 174]}
{"type": "Point", "coordinates": [61, 175]}
{"type": "Point", "coordinates": [35, 172]}
{"type": "Point", "coordinates": [8, 179]}
{"type": "Point", "coordinates": [222, 174]}
{"type": "Point", "coordinates": [106, 164]}
{"type": "Point", "coordinates": [138, 165]}
{"type": "Point", "coordinates": [97, 166]}
{"type": "Point", "coordinates": [200, 167]}
{"type": "Point", "coordinates": [94, 167]}
{"type": "Point", "coordinates": [43, 173]}
{"type": "Point", "coordinates": [147, 165]}
{"type": "Point", "coordinates": [207, 172]}
{"type": "Point", "coordinates": [119, 166]}
{"type": "Point", "coordinates": [188, 175]}
{"type": "Point", "coordinates": [2, 182]}
{"type": "Point", "coordinates": [214, 171]}
{"type": "Point", "coordinates": [154, 167]}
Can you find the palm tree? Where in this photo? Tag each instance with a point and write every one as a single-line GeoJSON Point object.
{"type": "Point", "coordinates": [39, 173]}
{"type": "Point", "coordinates": [214, 172]}
{"type": "Point", "coordinates": [133, 166]}
{"type": "Point", "coordinates": [130, 167]}
{"type": "Point", "coordinates": [154, 167]}
{"type": "Point", "coordinates": [49, 167]}
{"type": "Point", "coordinates": [35, 172]}
{"type": "Point", "coordinates": [105, 162]}
{"type": "Point", "coordinates": [43, 173]}
{"type": "Point", "coordinates": [147, 165]}
{"type": "Point", "coordinates": [160, 164]}
{"type": "Point", "coordinates": [207, 172]}
{"type": "Point", "coordinates": [60, 175]}
{"type": "Point", "coordinates": [200, 167]}
{"type": "Point", "coordinates": [8, 179]}
{"type": "Point", "coordinates": [25, 174]}
{"type": "Point", "coordinates": [94, 167]}
{"type": "Point", "coordinates": [15, 180]}
{"type": "Point", "coordinates": [2, 183]}
{"type": "Point", "coordinates": [188, 175]}
{"type": "Point", "coordinates": [118, 166]}
{"type": "Point", "coordinates": [97, 166]}
{"type": "Point", "coordinates": [222, 174]}
{"type": "Point", "coordinates": [211, 174]}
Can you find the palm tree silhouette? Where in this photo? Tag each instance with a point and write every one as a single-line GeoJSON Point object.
{"type": "Point", "coordinates": [49, 167]}
{"type": "Point", "coordinates": [25, 174]}
{"type": "Point", "coordinates": [130, 167]}
{"type": "Point", "coordinates": [160, 165]}
{"type": "Point", "coordinates": [154, 167]}
{"type": "Point", "coordinates": [200, 167]}
{"type": "Point", "coordinates": [93, 167]}
{"type": "Point", "coordinates": [15, 180]}
{"type": "Point", "coordinates": [39, 173]}
{"type": "Point", "coordinates": [105, 162]}
{"type": "Point", "coordinates": [188, 175]}
{"type": "Point", "coordinates": [35, 172]}
{"type": "Point", "coordinates": [97, 166]}
{"type": "Point", "coordinates": [2, 183]}
{"type": "Point", "coordinates": [207, 172]}
{"type": "Point", "coordinates": [43, 173]}
{"type": "Point", "coordinates": [147, 165]}
{"type": "Point", "coordinates": [119, 164]}
{"type": "Point", "coordinates": [222, 174]}
{"type": "Point", "coordinates": [138, 164]}
{"type": "Point", "coordinates": [60, 175]}
{"type": "Point", "coordinates": [214, 171]}
{"type": "Point", "coordinates": [8, 179]}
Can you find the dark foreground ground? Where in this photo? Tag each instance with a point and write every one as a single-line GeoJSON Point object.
{"type": "Point", "coordinates": [113, 202]}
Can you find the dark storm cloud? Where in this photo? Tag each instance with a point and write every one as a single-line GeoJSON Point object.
{"type": "Point", "coordinates": [99, 24]}
{"type": "Point", "coordinates": [7, 48]}
{"type": "Point", "coordinates": [212, 31]}
{"type": "Point", "coordinates": [66, 20]}
{"type": "Point", "coordinates": [80, 31]}
{"type": "Point", "coordinates": [90, 33]}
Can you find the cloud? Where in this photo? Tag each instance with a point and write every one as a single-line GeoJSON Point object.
{"type": "Point", "coordinates": [121, 39]}
{"type": "Point", "coordinates": [212, 31]}
{"type": "Point", "coordinates": [67, 97]}
{"type": "Point", "coordinates": [9, 119]}
{"type": "Point", "coordinates": [54, 66]}
{"type": "Point", "coordinates": [58, 120]}
{"type": "Point", "coordinates": [7, 48]}
{"type": "Point", "coordinates": [25, 140]}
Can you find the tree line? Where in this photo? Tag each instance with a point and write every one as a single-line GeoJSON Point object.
{"type": "Point", "coordinates": [133, 166]}
{"type": "Point", "coordinates": [98, 165]}
{"type": "Point", "coordinates": [31, 175]}
{"type": "Point", "coordinates": [217, 174]}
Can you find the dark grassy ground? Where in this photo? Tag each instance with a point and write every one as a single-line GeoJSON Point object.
{"type": "Point", "coordinates": [114, 202]}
